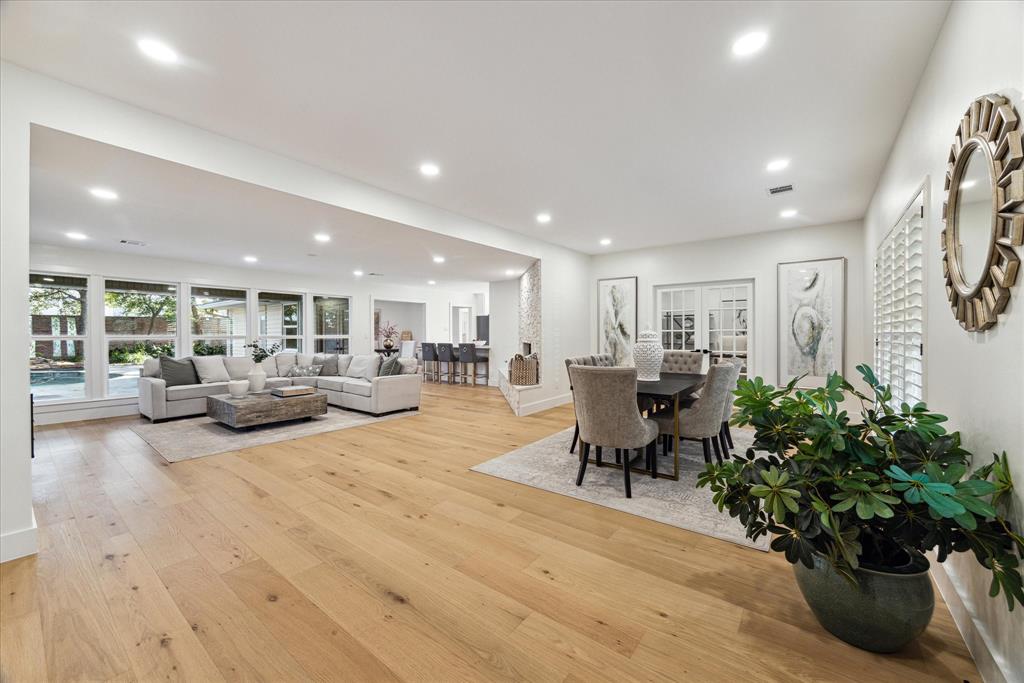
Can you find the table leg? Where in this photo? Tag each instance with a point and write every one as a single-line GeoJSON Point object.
{"type": "Point", "coordinates": [675, 433]}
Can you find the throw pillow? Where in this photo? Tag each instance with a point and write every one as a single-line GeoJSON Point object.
{"type": "Point", "coordinates": [304, 370]}
{"type": "Point", "coordinates": [238, 368]}
{"type": "Point", "coordinates": [178, 373]}
{"type": "Point", "coordinates": [285, 361]}
{"type": "Point", "coordinates": [304, 359]}
{"type": "Point", "coordinates": [151, 367]}
{"type": "Point", "coordinates": [269, 367]}
{"type": "Point", "coordinates": [330, 363]}
{"type": "Point", "coordinates": [343, 363]}
{"type": "Point", "coordinates": [210, 369]}
{"type": "Point", "coordinates": [410, 366]}
{"type": "Point", "coordinates": [389, 367]}
{"type": "Point", "coordinates": [364, 366]}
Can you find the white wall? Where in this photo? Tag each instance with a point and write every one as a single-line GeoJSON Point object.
{"type": "Point", "coordinates": [975, 378]}
{"type": "Point", "coordinates": [28, 98]}
{"type": "Point", "coordinates": [752, 257]}
{"type": "Point", "coordinates": [504, 300]}
{"type": "Point", "coordinates": [407, 315]}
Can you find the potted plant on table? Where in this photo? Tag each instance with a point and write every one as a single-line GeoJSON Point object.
{"type": "Point", "coordinates": [258, 376]}
{"type": "Point", "coordinates": [854, 506]}
{"type": "Point", "coordinates": [387, 333]}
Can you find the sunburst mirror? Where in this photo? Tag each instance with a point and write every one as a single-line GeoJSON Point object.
{"type": "Point", "coordinates": [983, 212]}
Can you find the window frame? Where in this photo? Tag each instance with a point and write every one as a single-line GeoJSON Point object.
{"type": "Point", "coordinates": [80, 338]}
{"type": "Point", "coordinates": [191, 337]}
{"type": "Point", "coordinates": [266, 339]}
{"type": "Point", "coordinates": [345, 339]}
{"type": "Point", "coordinates": [173, 338]}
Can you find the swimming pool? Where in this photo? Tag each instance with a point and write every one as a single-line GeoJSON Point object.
{"type": "Point", "coordinates": [69, 385]}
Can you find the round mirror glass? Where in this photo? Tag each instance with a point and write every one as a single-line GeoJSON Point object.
{"type": "Point", "coordinates": [974, 217]}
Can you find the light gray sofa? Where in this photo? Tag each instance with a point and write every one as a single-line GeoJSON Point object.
{"type": "Point", "coordinates": [355, 387]}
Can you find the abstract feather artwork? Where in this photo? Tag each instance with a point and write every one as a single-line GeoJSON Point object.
{"type": "Point", "coordinates": [811, 318]}
{"type": "Point", "coordinates": [616, 318]}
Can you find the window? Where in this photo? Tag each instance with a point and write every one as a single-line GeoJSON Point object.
{"type": "Point", "coordinates": [218, 318]}
{"type": "Point", "coordinates": [330, 317]}
{"type": "Point", "coordinates": [140, 321]}
{"type": "Point", "coordinates": [899, 307]}
{"type": "Point", "coordinates": [281, 320]}
{"type": "Point", "coordinates": [677, 316]}
{"type": "Point", "coordinates": [57, 313]}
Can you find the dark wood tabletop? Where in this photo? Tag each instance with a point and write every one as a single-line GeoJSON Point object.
{"type": "Point", "coordinates": [670, 385]}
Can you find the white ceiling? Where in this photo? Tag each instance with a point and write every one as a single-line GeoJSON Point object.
{"type": "Point", "coordinates": [180, 212]}
{"type": "Point", "coordinates": [632, 121]}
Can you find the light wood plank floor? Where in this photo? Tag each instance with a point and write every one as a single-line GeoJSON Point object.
{"type": "Point", "coordinates": [374, 554]}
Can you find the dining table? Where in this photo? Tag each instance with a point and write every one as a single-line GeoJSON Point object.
{"type": "Point", "coordinates": [672, 388]}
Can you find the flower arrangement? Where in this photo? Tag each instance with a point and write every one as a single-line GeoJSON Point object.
{"type": "Point", "coordinates": [261, 353]}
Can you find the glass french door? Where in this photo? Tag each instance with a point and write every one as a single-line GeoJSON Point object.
{"type": "Point", "coordinates": [715, 319]}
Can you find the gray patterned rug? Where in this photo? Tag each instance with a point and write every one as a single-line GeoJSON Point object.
{"type": "Point", "coordinates": [548, 465]}
{"type": "Point", "coordinates": [195, 437]}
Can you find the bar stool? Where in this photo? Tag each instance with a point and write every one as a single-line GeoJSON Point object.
{"type": "Point", "coordinates": [446, 354]}
{"type": "Point", "coordinates": [429, 353]}
{"type": "Point", "coordinates": [468, 358]}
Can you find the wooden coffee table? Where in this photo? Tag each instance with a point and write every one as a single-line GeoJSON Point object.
{"type": "Point", "coordinates": [262, 408]}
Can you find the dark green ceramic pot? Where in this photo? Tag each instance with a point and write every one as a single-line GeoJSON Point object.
{"type": "Point", "coordinates": [885, 612]}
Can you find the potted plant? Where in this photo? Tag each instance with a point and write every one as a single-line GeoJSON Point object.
{"type": "Point", "coordinates": [258, 376]}
{"type": "Point", "coordinates": [387, 333]}
{"type": "Point", "coordinates": [855, 505]}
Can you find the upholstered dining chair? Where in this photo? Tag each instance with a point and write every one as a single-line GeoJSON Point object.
{"type": "Point", "coordinates": [447, 356]}
{"type": "Point", "coordinates": [597, 360]}
{"type": "Point", "coordinates": [724, 435]}
{"type": "Point", "coordinates": [687, 362]}
{"type": "Point", "coordinates": [470, 358]}
{"type": "Point", "coordinates": [702, 420]}
{"type": "Point", "coordinates": [605, 402]}
{"type": "Point", "coordinates": [433, 370]}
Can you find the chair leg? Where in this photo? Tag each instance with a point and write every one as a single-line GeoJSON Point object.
{"type": "Point", "coordinates": [575, 437]}
{"type": "Point", "coordinates": [599, 456]}
{"type": "Point", "coordinates": [718, 451]}
{"type": "Point", "coordinates": [728, 435]}
{"type": "Point", "coordinates": [664, 445]}
{"type": "Point", "coordinates": [584, 456]}
{"type": "Point", "coordinates": [721, 440]}
{"type": "Point", "coordinates": [625, 475]}
{"type": "Point", "coordinates": [707, 449]}
{"type": "Point", "coordinates": [652, 450]}
{"type": "Point", "coordinates": [618, 456]}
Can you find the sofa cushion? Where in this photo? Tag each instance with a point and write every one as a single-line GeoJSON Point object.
{"type": "Point", "coordinates": [275, 382]}
{"type": "Point", "coordinates": [151, 367]}
{"type": "Point", "coordinates": [364, 366]}
{"type": "Point", "coordinates": [359, 387]}
{"type": "Point", "coordinates": [410, 366]}
{"type": "Point", "coordinates": [238, 368]}
{"type": "Point", "coordinates": [328, 363]}
{"type": "Point", "coordinates": [270, 367]}
{"type": "Point", "coordinates": [303, 359]}
{"type": "Point", "coordinates": [210, 369]}
{"type": "Point", "coordinates": [178, 372]}
{"type": "Point", "coordinates": [344, 360]}
{"type": "Point", "coordinates": [285, 361]}
{"type": "Point", "coordinates": [196, 391]}
{"type": "Point", "coordinates": [305, 381]}
{"type": "Point", "coordinates": [332, 383]}
{"type": "Point", "coordinates": [389, 367]}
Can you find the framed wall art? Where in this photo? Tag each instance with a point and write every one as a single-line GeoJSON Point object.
{"type": "Point", "coordinates": [617, 317]}
{"type": "Point", "coordinates": [812, 319]}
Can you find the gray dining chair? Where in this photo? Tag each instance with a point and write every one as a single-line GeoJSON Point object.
{"type": "Point", "coordinates": [689, 362]}
{"type": "Point", "coordinates": [605, 402]}
{"type": "Point", "coordinates": [724, 434]}
{"type": "Point", "coordinates": [603, 360]}
{"type": "Point", "coordinates": [702, 420]}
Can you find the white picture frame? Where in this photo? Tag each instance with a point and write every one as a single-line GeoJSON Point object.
{"type": "Point", "coordinates": [617, 318]}
{"type": "Point", "coordinates": [811, 320]}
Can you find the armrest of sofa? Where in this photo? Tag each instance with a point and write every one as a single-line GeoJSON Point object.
{"type": "Point", "coordinates": [395, 392]}
{"type": "Point", "coordinates": [153, 397]}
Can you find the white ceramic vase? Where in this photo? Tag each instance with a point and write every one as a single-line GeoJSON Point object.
{"type": "Point", "coordinates": [257, 379]}
{"type": "Point", "coordinates": [648, 355]}
{"type": "Point", "coordinates": [238, 387]}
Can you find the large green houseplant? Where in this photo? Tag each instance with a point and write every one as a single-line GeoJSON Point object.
{"type": "Point", "coordinates": [854, 505]}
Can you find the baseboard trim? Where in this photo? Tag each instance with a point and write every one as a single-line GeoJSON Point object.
{"type": "Point", "coordinates": [79, 412]}
{"type": "Point", "coordinates": [976, 642]}
{"type": "Point", "coordinates": [21, 543]}
{"type": "Point", "coordinates": [544, 404]}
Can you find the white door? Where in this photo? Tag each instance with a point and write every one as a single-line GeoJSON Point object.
{"type": "Point", "coordinates": [715, 319]}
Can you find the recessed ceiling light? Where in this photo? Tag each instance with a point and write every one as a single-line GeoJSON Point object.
{"type": "Point", "coordinates": [103, 193]}
{"type": "Point", "coordinates": [543, 218]}
{"type": "Point", "coordinates": [357, 273]}
{"type": "Point", "coordinates": [510, 272]}
{"type": "Point", "coordinates": [322, 237]}
{"type": "Point", "coordinates": [47, 279]}
{"type": "Point", "coordinates": [157, 50]}
{"type": "Point", "coordinates": [430, 169]}
{"type": "Point", "coordinates": [76, 236]}
{"type": "Point", "coordinates": [431, 282]}
{"type": "Point", "coordinates": [749, 43]}
{"type": "Point", "coordinates": [787, 213]}
{"type": "Point", "coordinates": [777, 164]}
{"type": "Point", "coordinates": [605, 242]}
{"type": "Point", "coordinates": [250, 259]}
{"type": "Point", "coordinates": [439, 259]}
{"type": "Point", "coordinates": [968, 184]}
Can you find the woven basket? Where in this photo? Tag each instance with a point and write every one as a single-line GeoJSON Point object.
{"type": "Point", "coordinates": [524, 370]}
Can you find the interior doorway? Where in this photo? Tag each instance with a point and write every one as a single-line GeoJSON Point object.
{"type": "Point", "coordinates": [715, 319]}
{"type": "Point", "coordinates": [462, 324]}
{"type": "Point", "coordinates": [406, 320]}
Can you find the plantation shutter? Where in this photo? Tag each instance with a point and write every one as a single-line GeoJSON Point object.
{"type": "Point", "coordinates": [899, 307]}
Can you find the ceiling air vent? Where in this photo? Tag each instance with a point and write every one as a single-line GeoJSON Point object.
{"type": "Point", "coordinates": [780, 189]}
{"type": "Point", "coordinates": [133, 243]}
{"type": "Point", "coordinates": [376, 274]}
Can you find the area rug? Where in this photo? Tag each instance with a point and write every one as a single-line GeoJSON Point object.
{"type": "Point", "coordinates": [547, 464]}
{"type": "Point", "coordinates": [195, 437]}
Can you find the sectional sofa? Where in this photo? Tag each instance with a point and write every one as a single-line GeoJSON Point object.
{"type": "Point", "coordinates": [356, 385]}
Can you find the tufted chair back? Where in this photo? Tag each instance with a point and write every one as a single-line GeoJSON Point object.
{"type": "Point", "coordinates": [731, 397]}
{"type": "Point", "coordinates": [605, 399]}
{"type": "Point", "coordinates": [704, 418]}
{"type": "Point", "coordinates": [685, 362]}
{"type": "Point", "coordinates": [602, 360]}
